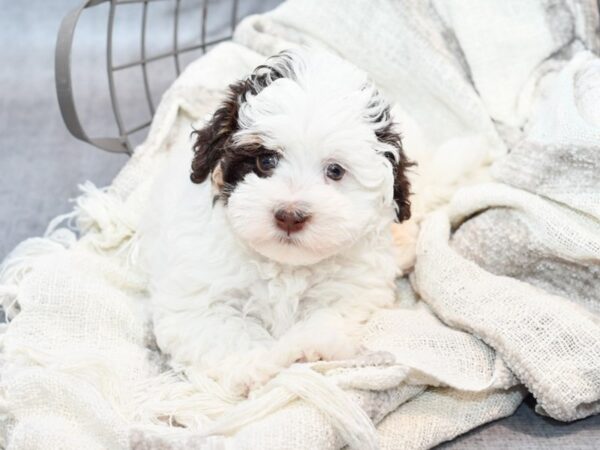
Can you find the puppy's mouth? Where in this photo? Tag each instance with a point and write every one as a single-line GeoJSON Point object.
{"type": "Point", "coordinates": [288, 239]}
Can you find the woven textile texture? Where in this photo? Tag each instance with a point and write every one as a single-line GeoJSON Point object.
{"type": "Point", "coordinates": [503, 298]}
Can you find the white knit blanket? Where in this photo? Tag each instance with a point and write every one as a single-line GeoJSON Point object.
{"type": "Point", "coordinates": [504, 296]}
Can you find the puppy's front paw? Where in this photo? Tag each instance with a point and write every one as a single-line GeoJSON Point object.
{"type": "Point", "coordinates": [243, 372]}
{"type": "Point", "coordinates": [324, 346]}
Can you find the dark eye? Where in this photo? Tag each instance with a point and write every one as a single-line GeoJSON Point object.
{"type": "Point", "coordinates": [267, 162]}
{"type": "Point", "coordinates": [335, 172]}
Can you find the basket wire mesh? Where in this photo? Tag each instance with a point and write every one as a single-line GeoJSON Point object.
{"type": "Point", "coordinates": [175, 50]}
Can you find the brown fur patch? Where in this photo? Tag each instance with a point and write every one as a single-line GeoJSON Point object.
{"type": "Point", "coordinates": [217, 177]}
{"type": "Point", "coordinates": [391, 137]}
{"type": "Point", "coordinates": [214, 138]}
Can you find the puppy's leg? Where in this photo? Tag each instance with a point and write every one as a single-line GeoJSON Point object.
{"type": "Point", "coordinates": [324, 335]}
{"type": "Point", "coordinates": [218, 341]}
{"type": "Point", "coordinates": [334, 330]}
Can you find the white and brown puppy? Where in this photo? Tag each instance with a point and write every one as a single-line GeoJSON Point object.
{"type": "Point", "coordinates": [280, 247]}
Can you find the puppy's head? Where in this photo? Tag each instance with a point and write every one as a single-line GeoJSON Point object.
{"type": "Point", "coordinates": [304, 156]}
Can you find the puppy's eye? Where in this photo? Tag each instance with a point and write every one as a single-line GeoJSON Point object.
{"type": "Point", "coordinates": [335, 172]}
{"type": "Point", "coordinates": [267, 162]}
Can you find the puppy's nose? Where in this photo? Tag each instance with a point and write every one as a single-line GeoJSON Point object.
{"type": "Point", "coordinates": [291, 220]}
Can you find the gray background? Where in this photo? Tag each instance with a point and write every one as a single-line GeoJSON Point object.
{"type": "Point", "coordinates": [42, 164]}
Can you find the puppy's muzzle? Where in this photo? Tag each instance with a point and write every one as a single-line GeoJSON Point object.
{"type": "Point", "coordinates": [291, 220]}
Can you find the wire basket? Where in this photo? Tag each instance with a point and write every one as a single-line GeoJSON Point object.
{"type": "Point", "coordinates": [186, 29]}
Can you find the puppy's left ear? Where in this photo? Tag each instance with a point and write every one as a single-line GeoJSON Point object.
{"type": "Point", "coordinates": [213, 139]}
{"type": "Point", "coordinates": [400, 167]}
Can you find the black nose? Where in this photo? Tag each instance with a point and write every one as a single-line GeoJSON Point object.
{"type": "Point", "coordinates": [291, 220]}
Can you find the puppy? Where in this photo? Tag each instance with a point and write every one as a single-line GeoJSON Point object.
{"type": "Point", "coordinates": [280, 246]}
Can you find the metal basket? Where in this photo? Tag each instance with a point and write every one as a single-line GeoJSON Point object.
{"type": "Point", "coordinates": [175, 50]}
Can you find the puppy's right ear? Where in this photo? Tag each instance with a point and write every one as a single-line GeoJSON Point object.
{"type": "Point", "coordinates": [215, 137]}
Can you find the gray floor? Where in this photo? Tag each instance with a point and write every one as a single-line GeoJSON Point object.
{"type": "Point", "coordinates": [525, 430]}
{"type": "Point", "coordinates": [41, 165]}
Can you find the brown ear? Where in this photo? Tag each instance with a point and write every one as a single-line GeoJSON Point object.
{"type": "Point", "coordinates": [215, 136]}
{"type": "Point", "coordinates": [389, 136]}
